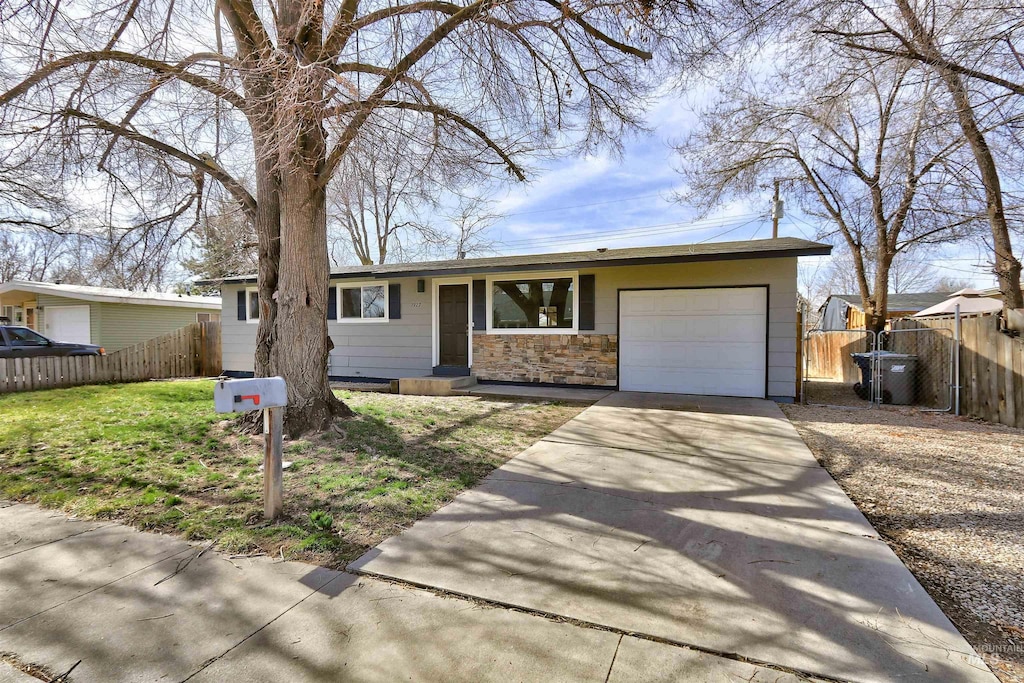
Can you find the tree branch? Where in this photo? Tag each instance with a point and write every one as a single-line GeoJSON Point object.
{"type": "Point", "coordinates": [178, 71]}
{"type": "Point", "coordinates": [207, 166]}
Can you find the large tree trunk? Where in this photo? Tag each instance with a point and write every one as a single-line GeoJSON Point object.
{"type": "Point", "coordinates": [293, 341]}
{"type": "Point", "coordinates": [303, 345]}
{"type": "Point", "coordinates": [878, 312]}
{"type": "Point", "coordinates": [1007, 267]}
{"type": "Point", "coordinates": [268, 235]}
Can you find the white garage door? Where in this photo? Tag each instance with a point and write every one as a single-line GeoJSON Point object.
{"type": "Point", "coordinates": [694, 341]}
{"type": "Point", "coordinates": [68, 324]}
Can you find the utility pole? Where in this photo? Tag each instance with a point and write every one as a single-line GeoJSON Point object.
{"type": "Point", "coordinates": [776, 211]}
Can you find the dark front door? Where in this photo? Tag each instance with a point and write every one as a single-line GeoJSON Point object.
{"type": "Point", "coordinates": [453, 310]}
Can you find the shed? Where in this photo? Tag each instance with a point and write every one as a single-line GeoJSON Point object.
{"type": "Point", "coordinates": [846, 311]}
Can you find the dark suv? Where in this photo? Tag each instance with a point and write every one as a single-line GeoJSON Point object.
{"type": "Point", "coordinates": [22, 342]}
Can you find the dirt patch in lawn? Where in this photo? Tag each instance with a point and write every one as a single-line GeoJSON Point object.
{"type": "Point", "coordinates": [155, 455]}
{"type": "Point", "coordinates": [947, 494]}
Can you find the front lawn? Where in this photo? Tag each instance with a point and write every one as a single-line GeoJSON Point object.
{"type": "Point", "coordinates": [155, 455]}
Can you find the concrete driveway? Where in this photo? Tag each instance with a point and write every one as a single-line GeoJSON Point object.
{"type": "Point", "coordinates": [703, 522]}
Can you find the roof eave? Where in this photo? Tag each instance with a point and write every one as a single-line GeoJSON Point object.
{"type": "Point", "coordinates": [556, 264]}
{"type": "Point", "coordinates": [35, 288]}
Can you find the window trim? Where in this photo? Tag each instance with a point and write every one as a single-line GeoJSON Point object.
{"type": "Point", "coordinates": [248, 291]}
{"type": "Point", "coordinates": [360, 284]}
{"type": "Point", "coordinates": [525, 276]}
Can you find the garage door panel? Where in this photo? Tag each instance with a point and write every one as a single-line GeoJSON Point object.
{"type": "Point", "coordinates": [704, 341]}
{"type": "Point", "coordinates": [746, 329]}
{"type": "Point", "coordinates": [703, 301]}
{"type": "Point", "coordinates": [743, 301]}
{"type": "Point", "coordinates": [637, 305]}
{"type": "Point", "coordinates": [644, 328]}
{"type": "Point", "coordinates": [666, 303]}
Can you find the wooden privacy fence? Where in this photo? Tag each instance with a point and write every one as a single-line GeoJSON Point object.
{"type": "Point", "coordinates": [991, 367]}
{"type": "Point", "coordinates": [828, 354]}
{"type": "Point", "coordinates": [192, 351]}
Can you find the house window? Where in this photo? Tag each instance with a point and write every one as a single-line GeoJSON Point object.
{"type": "Point", "coordinates": [363, 302]}
{"type": "Point", "coordinates": [252, 307]}
{"type": "Point", "coordinates": [209, 317]}
{"type": "Point", "coordinates": [533, 304]}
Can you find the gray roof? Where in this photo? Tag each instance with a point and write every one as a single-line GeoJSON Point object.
{"type": "Point", "coordinates": [901, 302]}
{"type": "Point", "coordinates": [683, 253]}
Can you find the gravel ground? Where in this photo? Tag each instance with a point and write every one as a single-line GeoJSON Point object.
{"type": "Point", "coordinates": [947, 494]}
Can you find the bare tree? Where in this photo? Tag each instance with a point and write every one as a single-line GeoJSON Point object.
{"type": "Point", "coordinates": [470, 220]}
{"type": "Point", "coordinates": [30, 255]}
{"type": "Point", "coordinates": [191, 92]}
{"type": "Point", "coordinates": [859, 143]}
{"type": "Point", "coordinates": [911, 271]}
{"type": "Point", "coordinates": [382, 188]}
{"type": "Point", "coordinates": [950, 283]}
{"type": "Point", "coordinates": [976, 51]}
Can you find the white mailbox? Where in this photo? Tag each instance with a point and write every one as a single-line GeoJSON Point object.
{"type": "Point", "coordinates": [242, 395]}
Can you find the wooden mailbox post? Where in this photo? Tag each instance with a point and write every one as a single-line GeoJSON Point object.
{"type": "Point", "coordinates": [270, 395]}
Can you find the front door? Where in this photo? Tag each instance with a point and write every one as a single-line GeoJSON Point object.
{"type": "Point", "coordinates": [453, 325]}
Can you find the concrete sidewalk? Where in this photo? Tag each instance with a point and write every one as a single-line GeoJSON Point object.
{"type": "Point", "coordinates": [116, 604]}
{"type": "Point", "coordinates": [700, 521]}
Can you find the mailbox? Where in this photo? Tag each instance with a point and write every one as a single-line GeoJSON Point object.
{"type": "Point", "coordinates": [242, 395]}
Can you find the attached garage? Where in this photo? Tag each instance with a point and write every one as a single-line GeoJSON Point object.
{"type": "Point", "coordinates": [711, 341]}
{"type": "Point", "coordinates": [68, 324]}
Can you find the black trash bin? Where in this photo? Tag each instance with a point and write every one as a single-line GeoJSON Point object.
{"type": "Point", "coordinates": [863, 361]}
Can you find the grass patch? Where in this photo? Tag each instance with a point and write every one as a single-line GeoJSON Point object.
{"type": "Point", "coordinates": [155, 455]}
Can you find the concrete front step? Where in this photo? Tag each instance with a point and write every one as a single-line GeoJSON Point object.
{"type": "Point", "coordinates": [435, 386]}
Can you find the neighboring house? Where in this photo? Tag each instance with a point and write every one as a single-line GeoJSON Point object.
{"type": "Point", "coordinates": [846, 311]}
{"type": "Point", "coordinates": [699, 319]}
{"type": "Point", "coordinates": [111, 318]}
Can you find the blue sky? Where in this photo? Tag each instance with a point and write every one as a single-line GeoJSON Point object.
{"type": "Point", "coordinates": [604, 201]}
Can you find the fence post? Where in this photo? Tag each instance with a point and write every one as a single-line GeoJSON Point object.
{"type": "Point", "coordinates": [956, 360]}
{"type": "Point", "coordinates": [800, 353]}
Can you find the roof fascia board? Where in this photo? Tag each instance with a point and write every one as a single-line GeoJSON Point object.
{"type": "Point", "coordinates": [555, 265]}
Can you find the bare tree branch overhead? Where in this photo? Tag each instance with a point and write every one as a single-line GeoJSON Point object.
{"type": "Point", "coordinates": [975, 50]}
{"type": "Point", "coordinates": [862, 145]}
{"type": "Point", "coordinates": [268, 99]}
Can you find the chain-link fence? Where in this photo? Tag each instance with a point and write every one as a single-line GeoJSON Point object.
{"type": "Point", "coordinates": [916, 367]}
{"type": "Point", "coordinates": [908, 365]}
{"type": "Point", "coordinates": [831, 374]}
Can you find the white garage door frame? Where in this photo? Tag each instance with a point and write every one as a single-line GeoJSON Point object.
{"type": "Point", "coordinates": [84, 336]}
{"type": "Point", "coordinates": [767, 323]}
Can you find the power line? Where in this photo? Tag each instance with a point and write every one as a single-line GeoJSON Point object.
{"type": "Point", "coordinates": [793, 217]}
{"type": "Point", "coordinates": [583, 206]}
{"type": "Point", "coordinates": [638, 231]}
{"type": "Point", "coordinates": [722, 234]}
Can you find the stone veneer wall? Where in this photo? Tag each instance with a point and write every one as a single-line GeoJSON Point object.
{"type": "Point", "coordinates": [587, 359]}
